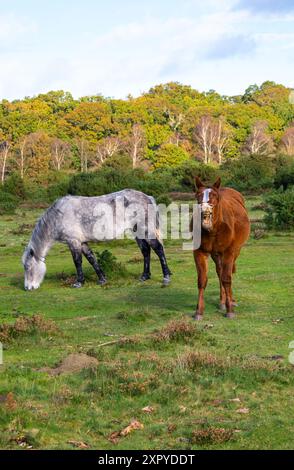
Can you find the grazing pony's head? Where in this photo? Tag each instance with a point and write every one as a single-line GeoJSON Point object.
{"type": "Point", "coordinates": [208, 198]}
{"type": "Point", "coordinates": [34, 267]}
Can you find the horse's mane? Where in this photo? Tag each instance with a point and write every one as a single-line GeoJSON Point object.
{"type": "Point", "coordinates": [44, 229]}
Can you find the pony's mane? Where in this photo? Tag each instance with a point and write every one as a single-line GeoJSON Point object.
{"type": "Point", "coordinates": [44, 230]}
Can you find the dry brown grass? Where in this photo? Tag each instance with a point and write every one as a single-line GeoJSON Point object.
{"type": "Point", "coordinates": [26, 326]}
{"type": "Point", "coordinates": [176, 330]}
{"type": "Point", "coordinates": [196, 359]}
{"type": "Point", "coordinates": [212, 436]}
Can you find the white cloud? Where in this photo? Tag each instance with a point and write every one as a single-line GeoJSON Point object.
{"type": "Point", "coordinates": [214, 48]}
{"type": "Point", "coordinates": [135, 56]}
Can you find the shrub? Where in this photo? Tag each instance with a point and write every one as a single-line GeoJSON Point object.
{"type": "Point", "coordinates": [104, 181]}
{"type": "Point", "coordinates": [285, 173]}
{"type": "Point", "coordinates": [107, 180]}
{"type": "Point", "coordinates": [249, 173]}
{"type": "Point", "coordinates": [164, 199]}
{"type": "Point", "coordinates": [185, 174]}
{"type": "Point", "coordinates": [8, 203]}
{"type": "Point", "coordinates": [36, 192]}
{"type": "Point", "coordinates": [118, 161]}
{"type": "Point", "coordinates": [280, 209]}
{"type": "Point", "coordinates": [57, 190]}
{"type": "Point", "coordinates": [109, 264]}
{"type": "Point", "coordinates": [14, 185]}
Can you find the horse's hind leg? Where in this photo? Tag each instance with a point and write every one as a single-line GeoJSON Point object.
{"type": "Point", "coordinates": [88, 253]}
{"type": "Point", "coordinates": [218, 266]}
{"type": "Point", "coordinates": [227, 271]}
{"type": "Point", "coordinates": [76, 251]}
{"type": "Point", "coordinates": [157, 246]}
{"type": "Point", "coordinates": [145, 250]}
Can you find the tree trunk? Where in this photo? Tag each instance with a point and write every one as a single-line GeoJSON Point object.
{"type": "Point", "coordinates": [5, 155]}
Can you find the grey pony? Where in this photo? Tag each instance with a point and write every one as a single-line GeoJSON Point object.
{"type": "Point", "coordinates": [77, 220]}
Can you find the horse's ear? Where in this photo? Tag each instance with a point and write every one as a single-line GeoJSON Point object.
{"type": "Point", "coordinates": [217, 183]}
{"type": "Point", "coordinates": [198, 182]}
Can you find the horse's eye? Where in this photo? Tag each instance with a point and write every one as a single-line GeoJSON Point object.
{"type": "Point", "coordinates": [32, 252]}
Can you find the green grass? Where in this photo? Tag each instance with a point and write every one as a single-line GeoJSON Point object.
{"type": "Point", "coordinates": [190, 379]}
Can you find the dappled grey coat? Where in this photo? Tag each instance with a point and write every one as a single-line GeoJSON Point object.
{"type": "Point", "coordinates": [77, 220]}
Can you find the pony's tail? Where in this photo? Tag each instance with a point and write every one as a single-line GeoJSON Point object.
{"type": "Point", "coordinates": [157, 219]}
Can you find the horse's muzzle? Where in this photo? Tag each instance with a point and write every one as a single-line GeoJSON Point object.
{"type": "Point", "coordinates": [206, 220]}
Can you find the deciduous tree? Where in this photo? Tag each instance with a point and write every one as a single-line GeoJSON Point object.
{"type": "Point", "coordinates": [60, 153]}
{"type": "Point", "coordinates": [135, 144]}
{"type": "Point", "coordinates": [287, 141]}
{"type": "Point", "coordinates": [259, 141]}
{"type": "Point", "coordinates": [4, 151]}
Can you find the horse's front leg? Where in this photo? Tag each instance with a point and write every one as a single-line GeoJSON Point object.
{"type": "Point", "coordinates": [76, 251]}
{"type": "Point", "coordinates": [201, 261]}
{"type": "Point", "coordinates": [88, 253]}
{"type": "Point", "coordinates": [227, 271]}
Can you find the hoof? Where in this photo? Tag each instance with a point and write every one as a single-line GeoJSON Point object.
{"type": "Point", "coordinates": [198, 317]}
{"type": "Point", "coordinates": [77, 285]}
{"type": "Point", "coordinates": [222, 307]}
{"type": "Point", "coordinates": [235, 304]}
{"type": "Point", "coordinates": [165, 281]}
{"type": "Point", "coordinates": [102, 282]}
{"type": "Point", "coordinates": [230, 315]}
{"type": "Point", "coordinates": [145, 277]}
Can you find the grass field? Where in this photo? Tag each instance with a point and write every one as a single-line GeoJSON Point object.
{"type": "Point", "coordinates": [216, 384]}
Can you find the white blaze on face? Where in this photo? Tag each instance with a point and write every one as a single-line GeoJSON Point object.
{"type": "Point", "coordinates": [206, 210]}
{"type": "Point", "coordinates": [205, 199]}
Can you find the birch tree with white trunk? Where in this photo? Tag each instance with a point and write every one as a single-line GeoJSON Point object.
{"type": "Point", "coordinates": [205, 136]}
{"type": "Point", "coordinates": [60, 151]}
{"type": "Point", "coordinates": [259, 142]}
{"type": "Point", "coordinates": [107, 148]}
{"type": "Point", "coordinates": [4, 151]}
{"type": "Point", "coordinates": [287, 140]}
{"type": "Point", "coordinates": [136, 144]}
{"type": "Point", "coordinates": [221, 140]}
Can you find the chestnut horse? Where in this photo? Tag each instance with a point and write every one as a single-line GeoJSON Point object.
{"type": "Point", "coordinates": [225, 228]}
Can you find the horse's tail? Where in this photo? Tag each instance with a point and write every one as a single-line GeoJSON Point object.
{"type": "Point", "coordinates": [157, 218]}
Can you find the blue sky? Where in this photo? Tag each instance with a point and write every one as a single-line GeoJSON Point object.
{"type": "Point", "coordinates": [119, 47]}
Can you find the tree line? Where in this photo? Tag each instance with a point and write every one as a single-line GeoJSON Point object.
{"type": "Point", "coordinates": [164, 127]}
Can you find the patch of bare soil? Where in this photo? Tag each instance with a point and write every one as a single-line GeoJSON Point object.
{"type": "Point", "coordinates": [72, 363]}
